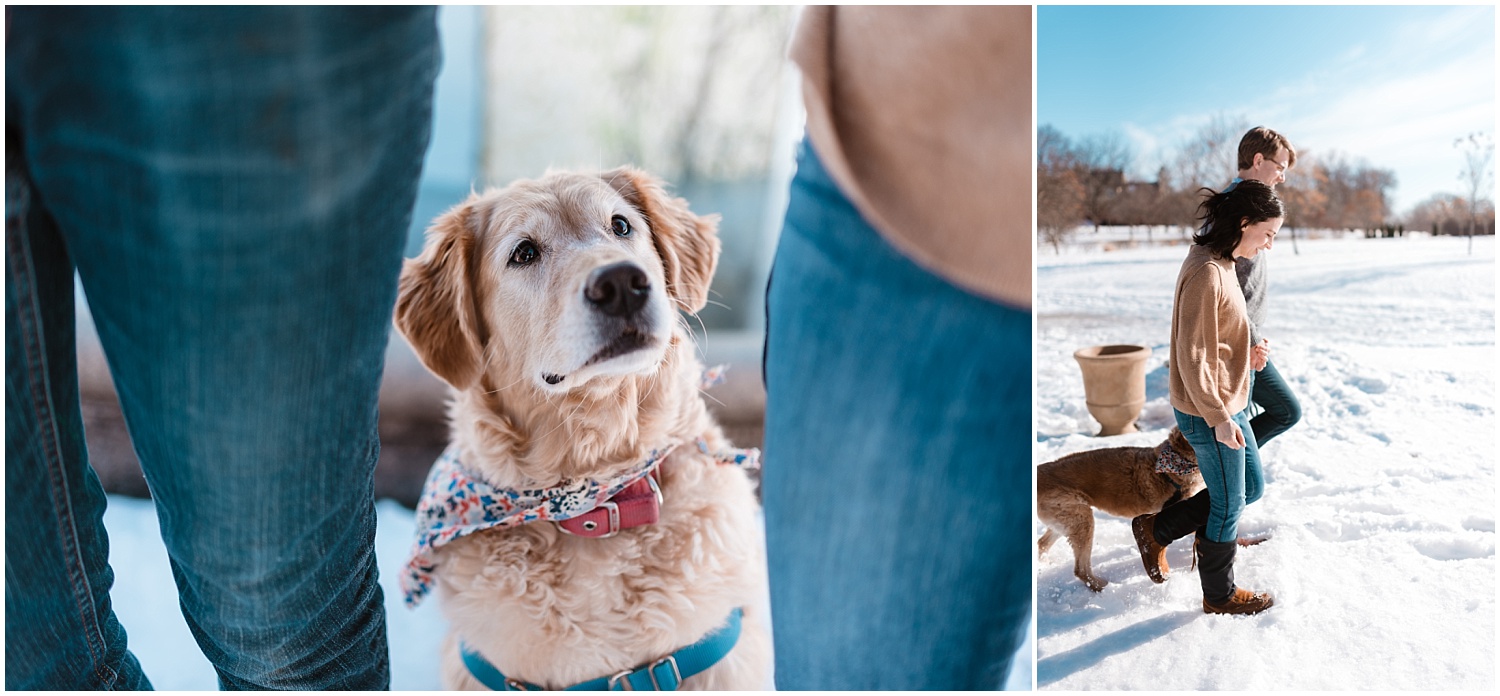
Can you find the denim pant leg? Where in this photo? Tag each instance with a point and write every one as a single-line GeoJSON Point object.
{"type": "Point", "coordinates": [1233, 478]}
{"type": "Point", "coordinates": [1185, 516]}
{"type": "Point", "coordinates": [1255, 478]}
{"type": "Point", "coordinates": [60, 632]}
{"type": "Point", "coordinates": [235, 185]}
{"type": "Point", "coordinates": [898, 484]}
{"type": "Point", "coordinates": [1280, 408]}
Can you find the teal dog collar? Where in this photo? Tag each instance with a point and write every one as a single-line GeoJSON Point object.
{"type": "Point", "coordinates": [665, 674]}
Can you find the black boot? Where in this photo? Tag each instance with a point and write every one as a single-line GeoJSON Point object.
{"type": "Point", "coordinates": [1179, 519]}
{"type": "Point", "coordinates": [1216, 573]}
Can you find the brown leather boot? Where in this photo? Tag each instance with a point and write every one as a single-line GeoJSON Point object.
{"type": "Point", "coordinates": [1243, 601]}
{"type": "Point", "coordinates": [1216, 573]}
{"type": "Point", "coordinates": [1153, 555]}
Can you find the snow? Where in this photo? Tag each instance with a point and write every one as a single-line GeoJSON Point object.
{"type": "Point", "coordinates": [145, 601]}
{"type": "Point", "coordinates": [1380, 503]}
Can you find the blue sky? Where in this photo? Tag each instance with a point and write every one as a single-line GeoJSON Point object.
{"type": "Point", "coordinates": [1392, 86]}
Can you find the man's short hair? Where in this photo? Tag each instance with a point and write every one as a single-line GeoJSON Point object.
{"type": "Point", "coordinates": [1264, 141]}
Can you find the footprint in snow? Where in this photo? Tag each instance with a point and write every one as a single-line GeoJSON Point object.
{"type": "Point", "coordinates": [1479, 524]}
{"type": "Point", "coordinates": [1456, 549]}
{"type": "Point", "coordinates": [1368, 385]}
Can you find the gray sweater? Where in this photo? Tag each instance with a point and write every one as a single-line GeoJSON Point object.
{"type": "Point", "coordinates": [1253, 281]}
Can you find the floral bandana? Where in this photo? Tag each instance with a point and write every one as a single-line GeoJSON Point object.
{"type": "Point", "coordinates": [456, 504]}
{"type": "Point", "coordinates": [1168, 461]}
{"type": "Point", "coordinates": [748, 458]}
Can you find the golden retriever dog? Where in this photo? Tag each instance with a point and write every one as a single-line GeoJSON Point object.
{"type": "Point", "coordinates": [1122, 481]}
{"type": "Point", "coordinates": [551, 309]}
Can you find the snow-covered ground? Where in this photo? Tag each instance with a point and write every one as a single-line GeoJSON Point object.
{"type": "Point", "coordinates": [1380, 504]}
{"type": "Point", "coordinates": [145, 600]}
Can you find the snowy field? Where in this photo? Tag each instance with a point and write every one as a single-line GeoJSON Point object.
{"type": "Point", "coordinates": [1380, 504]}
{"type": "Point", "coordinates": [146, 603]}
{"type": "Point", "coordinates": [145, 600]}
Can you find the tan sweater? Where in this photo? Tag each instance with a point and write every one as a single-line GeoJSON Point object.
{"type": "Point", "coordinates": [923, 117]}
{"type": "Point", "coordinates": [1209, 373]}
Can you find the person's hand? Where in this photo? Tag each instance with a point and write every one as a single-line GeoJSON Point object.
{"type": "Point", "coordinates": [1260, 354]}
{"type": "Point", "coordinates": [1229, 433]}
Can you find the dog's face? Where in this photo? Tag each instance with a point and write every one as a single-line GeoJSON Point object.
{"type": "Point", "coordinates": [557, 281]}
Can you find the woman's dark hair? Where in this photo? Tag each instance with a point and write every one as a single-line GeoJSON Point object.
{"type": "Point", "coordinates": [1224, 214]}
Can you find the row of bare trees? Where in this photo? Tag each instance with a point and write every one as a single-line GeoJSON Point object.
{"type": "Point", "coordinates": [1085, 182]}
{"type": "Point", "coordinates": [1446, 213]}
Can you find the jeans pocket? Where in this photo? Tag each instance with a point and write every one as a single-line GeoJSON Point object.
{"type": "Point", "coordinates": [1185, 423]}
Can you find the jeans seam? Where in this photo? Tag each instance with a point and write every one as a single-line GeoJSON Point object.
{"type": "Point", "coordinates": [1223, 486]}
{"type": "Point", "coordinates": [30, 325]}
{"type": "Point", "coordinates": [107, 675]}
{"type": "Point", "coordinates": [1218, 454]}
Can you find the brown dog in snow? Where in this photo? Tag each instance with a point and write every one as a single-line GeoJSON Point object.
{"type": "Point", "coordinates": [1122, 481]}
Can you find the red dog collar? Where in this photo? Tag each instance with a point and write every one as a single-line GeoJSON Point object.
{"type": "Point", "coordinates": [638, 505]}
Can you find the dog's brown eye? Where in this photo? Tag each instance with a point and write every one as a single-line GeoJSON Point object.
{"type": "Point", "coordinates": [524, 253]}
{"type": "Point", "coordinates": [620, 225]}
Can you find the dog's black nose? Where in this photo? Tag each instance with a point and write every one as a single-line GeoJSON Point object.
{"type": "Point", "coordinates": [619, 289]}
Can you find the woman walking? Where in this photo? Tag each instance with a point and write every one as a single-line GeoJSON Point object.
{"type": "Point", "coordinates": [1209, 373]}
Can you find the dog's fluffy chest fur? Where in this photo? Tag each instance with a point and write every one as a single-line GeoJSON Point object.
{"type": "Point", "coordinates": [525, 596]}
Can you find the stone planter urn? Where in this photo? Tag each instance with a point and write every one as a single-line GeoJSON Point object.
{"type": "Point", "coordinates": [1114, 385]}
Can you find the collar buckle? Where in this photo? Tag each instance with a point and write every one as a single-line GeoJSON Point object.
{"type": "Point", "coordinates": [591, 525]}
{"type": "Point", "coordinates": [676, 673]}
{"type": "Point", "coordinates": [614, 518]}
{"type": "Point", "coordinates": [620, 682]}
{"type": "Point", "coordinates": [655, 488]}
{"type": "Point", "coordinates": [635, 505]}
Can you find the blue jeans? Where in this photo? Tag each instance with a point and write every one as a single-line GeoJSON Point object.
{"type": "Point", "coordinates": [1280, 412]}
{"type": "Point", "coordinates": [1233, 478]}
{"type": "Point", "coordinates": [897, 483]}
{"type": "Point", "coordinates": [1280, 409]}
{"type": "Point", "coordinates": [232, 187]}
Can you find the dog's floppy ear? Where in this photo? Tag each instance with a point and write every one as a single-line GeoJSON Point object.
{"type": "Point", "coordinates": [688, 244]}
{"type": "Point", "coordinates": [435, 307]}
{"type": "Point", "coordinates": [1180, 443]}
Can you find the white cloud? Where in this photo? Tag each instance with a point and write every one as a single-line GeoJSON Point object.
{"type": "Point", "coordinates": [1147, 147]}
{"type": "Point", "coordinates": [1406, 124]}
{"type": "Point", "coordinates": [1395, 97]}
{"type": "Point", "coordinates": [1399, 109]}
